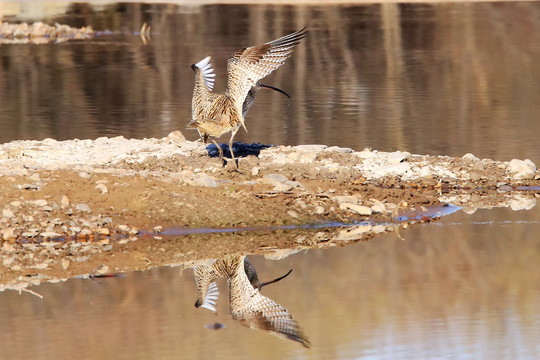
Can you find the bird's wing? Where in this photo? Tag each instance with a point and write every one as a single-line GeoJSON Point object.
{"type": "Point", "coordinates": [249, 65]}
{"type": "Point", "coordinates": [208, 72]}
{"type": "Point", "coordinates": [210, 300]}
{"type": "Point", "coordinates": [265, 314]}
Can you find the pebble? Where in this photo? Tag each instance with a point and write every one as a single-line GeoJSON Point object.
{"type": "Point", "coordinates": [50, 234]}
{"type": "Point", "coordinates": [292, 213]}
{"type": "Point", "coordinates": [64, 202]}
{"type": "Point", "coordinates": [83, 208]}
{"type": "Point", "coordinates": [158, 229]}
{"type": "Point", "coordinates": [274, 179]}
{"type": "Point", "coordinates": [123, 227]}
{"type": "Point", "coordinates": [85, 175]}
{"type": "Point", "coordinates": [319, 210]}
{"type": "Point", "coordinates": [522, 169]}
{"type": "Point", "coordinates": [359, 209]}
{"type": "Point", "coordinates": [103, 231]}
{"type": "Point", "coordinates": [102, 188]}
{"type": "Point", "coordinates": [65, 264]}
{"type": "Point", "coordinates": [40, 202]}
{"type": "Point", "coordinates": [7, 213]}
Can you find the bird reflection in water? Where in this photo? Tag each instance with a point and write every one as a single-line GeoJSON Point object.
{"type": "Point", "coordinates": [247, 304]}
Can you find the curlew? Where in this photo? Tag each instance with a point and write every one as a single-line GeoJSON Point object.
{"type": "Point", "coordinates": [207, 290]}
{"type": "Point", "coordinates": [247, 304]}
{"type": "Point", "coordinates": [216, 114]}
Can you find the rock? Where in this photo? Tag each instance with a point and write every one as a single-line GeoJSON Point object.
{"type": "Point", "coordinates": [7, 213]}
{"type": "Point", "coordinates": [85, 175]}
{"type": "Point", "coordinates": [40, 202]}
{"type": "Point", "coordinates": [65, 264]}
{"type": "Point", "coordinates": [378, 207]}
{"type": "Point", "coordinates": [470, 157]}
{"type": "Point", "coordinates": [123, 228]}
{"type": "Point", "coordinates": [255, 171]}
{"type": "Point", "coordinates": [359, 209]}
{"type": "Point", "coordinates": [315, 148]}
{"type": "Point", "coordinates": [176, 137]}
{"type": "Point", "coordinates": [64, 202]}
{"type": "Point", "coordinates": [319, 210]}
{"type": "Point", "coordinates": [83, 208]}
{"type": "Point", "coordinates": [50, 234]}
{"type": "Point", "coordinates": [7, 261]}
{"type": "Point", "coordinates": [102, 188]}
{"type": "Point", "coordinates": [15, 204]}
{"type": "Point", "coordinates": [346, 199]}
{"type": "Point", "coordinates": [158, 229]}
{"type": "Point", "coordinates": [282, 187]}
{"type": "Point", "coordinates": [522, 169]}
{"type": "Point", "coordinates": [103, 231]}
{"type": "Point", "coordinates": [274, 179]}
{"type": "Point", "coordinates": [204, 181]}
{"type": "Point", "coordinates": [522, 202]}
{"type": "Point", "coordinates": [397, 157]}
{"type": "Point", "coordinates": [40, 266]}
{"type": "Point", "coordinates": [292, 213]}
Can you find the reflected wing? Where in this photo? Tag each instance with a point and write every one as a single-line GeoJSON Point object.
{"type": "Point", "coordinates": [249, 65]}
{"type": "Point", "coordinates": [210, 300]}
{"type": "Point", "coordinates": [207, 290]}
{"type": "Point", "coordinates": [270, 316]}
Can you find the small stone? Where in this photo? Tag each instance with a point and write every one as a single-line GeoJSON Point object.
{"type": "Point", "coordinates": [65, 264]}
{"type": "Point", "coordinates": [7, 261]}
{"type": "Point", "coordinates": [204, 181]}
{"type": "Point", "coordinates": [158, 229]}
{"type": "Point", "coordinates": [175, 137]}
{"type": "Point", "coordinates": [378, 207]}
{"type": "Point", "coordinates": [103, 231]}
{"type": "Point", "coordinates": [255, 171]}
{"type": "Point", "coordinates": [123, 228]}
{"type": "Point", "coordinates": [522, 169]}
{"type": "Point", "coordinates": [102, 188]}
{"type": "Point", "coordinates": [319, 210]}
{"type": "Point", "coordinates": [40, 202]}
{"type": "Point", "coordinates": [292, 213]}
{"type": "Point", "coordinates": [47, 208]}
{"type": "Point", "coordinates": [85, 232]}
{"type": "Point", "coordinates": [8, 213]}
{"type": "Point", "coordinates": [282, 187]}
{"type": "Point", "coordinates": [8, 247]}
{"type": "Point", "coordinates": [359, 209]}
{"type": "Point", "coordinates": [83, 208]}
{"type": "Point", "coordinates": [64, 202]}
{"type": "Point", "coordinates": [40, 266]}
{"type": "Point", "coordinates": [397, 157]}
{"type": "Point", "coordinates": [15, 204]}
{"type": "Point", "coordinates": [85, 175]}
{"type": "Point", "coordinates": [50, 234]}
{"type": "Point", "coordinates": [470, 157]}
{"type": "Point", "coordinates": [274, 179]}
{"type": "Point", "coordinates": [16, 268]}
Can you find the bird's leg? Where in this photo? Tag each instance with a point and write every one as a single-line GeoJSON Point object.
{"type": "Point", "coordinates": [231, 148]}
{"type": "Point", "coordinates": [219, 149]}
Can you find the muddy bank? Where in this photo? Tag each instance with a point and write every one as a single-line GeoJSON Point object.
{"type": "Point", "coordinates": [107, 205]}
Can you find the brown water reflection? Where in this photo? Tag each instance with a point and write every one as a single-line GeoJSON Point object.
{"type": "Point", "coordinates": [466, 287]}
{"type": "Point", "coordinates": [426, 78]}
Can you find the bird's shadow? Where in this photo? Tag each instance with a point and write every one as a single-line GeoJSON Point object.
{"type": "Point", "coordinates": [240, 149]}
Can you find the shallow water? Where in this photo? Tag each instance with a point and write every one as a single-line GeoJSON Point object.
{"type": "Point", "coordinates": [466, 287]}
{"type": "Point", "coordinates": [431, 79]}
{"type": "Point", "coordinates": [435, 79]}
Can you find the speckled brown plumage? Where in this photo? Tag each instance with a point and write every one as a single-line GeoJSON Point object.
{"type": "Point", "coordinates": [216, 114]}
{"type": "Point", "coordinates": [247, 304]}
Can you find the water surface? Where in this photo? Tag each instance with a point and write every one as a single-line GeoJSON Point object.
{"type": "Point", "coordinates": [426, 78]}
{"type": "Point", "coordinates": [433, 79]}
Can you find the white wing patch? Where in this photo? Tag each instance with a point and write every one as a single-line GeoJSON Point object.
{"type": "Point", "coordinates": [208, 71]}
{"type": "Point", "coordinates": [210, 300]}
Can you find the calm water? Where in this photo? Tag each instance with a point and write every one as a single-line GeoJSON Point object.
{"type": "Point", "coordinates": [467, 287]}
{"type": "Point", "coordinates": [438, 79]}
{"type": "Point", "coordinates": [433, 79]}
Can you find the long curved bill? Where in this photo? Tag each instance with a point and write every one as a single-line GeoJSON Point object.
{"type": "Point", "coordinates": [275, 88]}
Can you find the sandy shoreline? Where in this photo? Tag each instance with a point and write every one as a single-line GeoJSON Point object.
{"type": "Point", "coordinates": [79, 207]}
